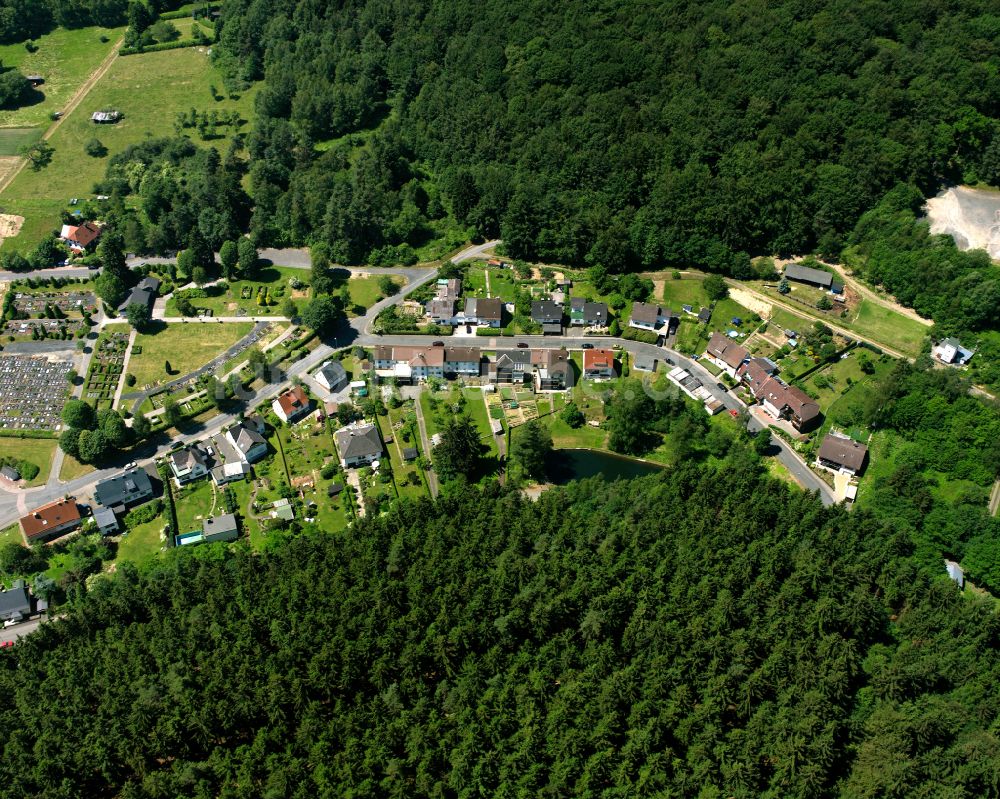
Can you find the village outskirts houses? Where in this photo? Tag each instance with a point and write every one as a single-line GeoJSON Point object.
{"type": "Point", "coordinates": [599, 364]}
{"type": "Point", "coordinates": [583, 313]}
{"type": "Point", "coordinates": [292, 405]}
{"type": "Point", "coordinates": [549, 315]}
{"type": "Point", "coordinates": [188, 464]}
{"type": "Point", "coordinates": [50, 521]}
{"type": "Point", "coordinates": [483, 311]}
{"type": "Point", "coordinates": [839, 453]}
{"type": "Point", "coordinates": [80, 238]}
{"type": "Point", "coordinates": [247, 438]}
{"type": "Point", "coordinates": [725, 353]}
{"type": "Point", "coordinates": [652, 317]}
{"type": "Point", "coordinates": [358, 445]}
{"type": "Point", "coordinates": [553, 370]}
{"type": "Point", "coordinates": [332, 376]}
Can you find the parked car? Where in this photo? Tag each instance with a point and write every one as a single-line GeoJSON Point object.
{"type": "Point", "coordinates": [437, 343]}
{"type": "Point", "coordinates": [587, 346]}
{"type": "Point", "coordinates": [468, 328]}
{"type": "Point", "coordinates": [670, 361]}
{"type": "Point", "coordinates": [722, 387]}
{"type": "Point", "coordinates": [522, 346]}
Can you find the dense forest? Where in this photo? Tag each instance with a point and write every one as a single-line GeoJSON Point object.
{"type": "Point", "coordinates": [624, 134]}
{"type": "Point", "coordinates": [702, 632]}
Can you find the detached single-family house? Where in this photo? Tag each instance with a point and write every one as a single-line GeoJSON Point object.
{"type": "Point", "coordinates": [553, 370]}
{"type": "Point", "coordinates": [215, 528]}
{"type": "Point", "coordinates": [648, 316]}
{"type": "Point", "coordinates": [50, 521]}
{"type": "Point", "coordinates": [951, 351]}
{"type": "Point", "coordinates": [10, 473]}
{"type": "Point", "coordinates": [188, 464]}
{"type": "Point", "coordinates": [755, 371]}
{"type": "Point", "coordinates": [487, 312]}
{"type": "Point", "coordinates": [461, 361]}
{"type": "Point", "coordinates": [247, 441]}
{"type": "Point", "coordinates": [599, 364]}
{"type": "Point", "coordinates": [79, 238]}
{"type": "Point", "coordinates": [842, 454]}
{"type": "Point", "coordinates": [293, 405]}
{"type": "Point", "coordinates": [511, 366]}
{"type": "Point", "coordinates": [788, 402]}
{"type": "Point", "coordinates": [358, 445]}
{"type": "Point", "coordinates": [587, 314]}
{"type": "Point", "coordinates": [128, 488]}
{"type": "Point", "coordinates": [231, 472]}
{"type": "Point", "coordinates": [726, 353]}
{"type": "Point", "coordinates": [812, 277]}
{"type": "Point", "coordinates": [107, 522]}
{"type": "Point", "coordinates": [332, 376]}
{"type": "Point", "coordinates": [282, 509]}
{"type": "Point", "coordinates": [15, 604]}
{"type": "Point", "coordinates": [441, 311]}
{"type": "Point", "coordinates": [143, 294]}
{"type": "Point", "coordinates": [547, 314]}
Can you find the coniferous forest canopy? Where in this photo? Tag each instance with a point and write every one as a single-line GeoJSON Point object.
{"type": "Point", "coordinates": [700, 632]}
{"type": "Point", "coordinates": [625, 134]}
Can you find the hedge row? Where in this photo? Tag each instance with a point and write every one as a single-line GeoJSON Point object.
{"type": "Point", "coordinates": [27, 434]}
{"type": "Point", "coordinates": [155, 48]}
{"type": "Point", "coordinates": [182, 14]}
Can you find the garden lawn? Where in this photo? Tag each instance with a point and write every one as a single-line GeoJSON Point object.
{"type": "Point", "coordinates": [365, 291]}
{"type": "Point", "coordinates": [38, 451]}
{"type": "Point", "coordinates": [13, 139]}
{"type": "Point", "coordinates": [476, 409]}
{"type": "Point", "coordinates": [186, 346]}
{"type": "Point", "coordinates": [72, 468]}
{"type": "Point", "coordinates": [686, 291]}
{"type": "Point", "coordinates": [142, 543]}
{"type": "Point", "coordinates": [11, 535]}
{"type": "Point", "coordinates": [134, 85]}
{"type": "Point", "coordinates": [194, 504]}
{"type": "Point", "coordinates": [882, 324]}
{"type": "Point", "coordinates": [401, 471]}
{"type": "Point", "coordinates": [65, 58]}
{"type": "Point", "coordinates": [226, 302]}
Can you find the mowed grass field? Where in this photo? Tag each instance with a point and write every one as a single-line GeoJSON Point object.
{"type": "Point", "coordinates": [149, 89]}
{"type": "Point", "coordinates": [186, 346]}
{"type": "Point", "coordinates": [38, 451]}
{"type": "Point", "coordinates": [885, 325]}
{"type": "Point", "coordinates": [65, 58]}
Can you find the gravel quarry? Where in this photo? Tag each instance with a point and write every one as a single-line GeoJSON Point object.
{"type": "Point", "coordinates": [970, 216]}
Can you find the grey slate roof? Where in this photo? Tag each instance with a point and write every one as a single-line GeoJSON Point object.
{"type": "Point", "coordinates": [105, 517]}
{"type": "Point", "coordinates": [246, 437]}
{"type": "Point", "coordinates": [123, 488]}
{"type": "Point", "coordinates": [226, 523]}
{"type": "Point", "coordinates": [14, 601]}
{"type": "Point", "coordinates": [188, 457]}
{"type": "Point", "coordinates": [358, 442]}
{"type": "Point", "coordinates": [545, 309]}
{"type": "Point", "coordinates": [143, 294]}
{"type": "Point", "coordinates": [808, 275]}
{"type": "Point", "coordinates": [333, 372]}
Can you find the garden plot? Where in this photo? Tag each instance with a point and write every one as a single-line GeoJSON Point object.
{"type": "Point", "coordinates": [106, 367]}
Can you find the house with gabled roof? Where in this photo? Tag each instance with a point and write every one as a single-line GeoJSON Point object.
{"type": "Point", "coordinates": [144, 293]}
{"type": "Point", "coordinates": [79, 238]}
{"type": "Point", "coordinates": [599, 364]}
{"type": "Point", "coordinates": [588, 314]}
{"type": "Point", "coordinates": [485, 311]}
{"type": "Point", "coordinates": [726, 353]}
{"type": "Point", "coordinates": [553, 370]}
{"type": "Point", "coordinates": [358, 445]}
{"type": "Point", "coordinates": [649, 316]}
{"type": "Point", "coordinates": [462, 361]}
{"type": "Point", "coordinates": [755, 371]}
{"type": "Point", "coordinates": [842, 454]}
{"type": "Point", "coordinates": [248, 442]}
{"type": "Point", "coordinates": [50, 521]}
{"type": "Point", "coordinates": [292, 405]}
{"type": "Point", "coordinates": [511, 366]}
{"type": "Point", "coordinates": [189, 464]}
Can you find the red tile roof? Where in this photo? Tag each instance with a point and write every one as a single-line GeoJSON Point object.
{"type": "Point", "coordinates": [84, 234]}
{"type": "Point", "coordinates": [598, 359]}
{"type": "Point", "coordinates": [293, 401]}
{"type": "Point", "coordinates": [48, 517]}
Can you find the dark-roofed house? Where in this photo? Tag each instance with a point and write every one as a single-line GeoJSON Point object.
{"type": "Point", "coordinates": [842, 454]}
{"type": "Point", "coordinates": [726, 353]}
{"type": "Point", "coordinates": [214, 528]}
{"type": "Point", "coordinates": [599, 364]}
{"type": "Point", "coordinates": [788, 402]}
{"type": "Point", "coordinates": [107, 522]}
{"type": "Point", "coordinates": [15, 604]}
{"type": "Point", "coordinates": [410, 453]}
{"type": "Point", "coordinates": [548, 314]}
{"type": "Point", "coordinates": [587, 314]}
{"type": "Point", "coordinates": [553, 370]}
{"type": "Point", "coordinates": [231, 472]}
{"type": "Point", "coordinates": [245, 439]}
{"type": "Point", "coordinates": [484, 311]}
{"type": "Point", "coordinates": [755, 371]}
{"type": "Point", "coordinates": [127, 488]}
{"type": "Point", "coordinates": [511, 366]}
{"type": "Point", "coordinates": [332, 376]}
{"type": "Point", "coordinates": [358, 445]}
{"type": "Point", "coordinates": [441, 311]}
{"type": "Point", "coordinates": [143, 294]}
{"type": "Point", "coordinates": [809, 276]}
{"type": "Point", "coordinates": [291, 406]}
{"type": "Point", "coordinates": [10, 473]}
{"type": "Point", "coordinates": [188, 464]}
{"type": "Point", "coordinates": [50, 521]}
{"type": "Point", "coordinates": [462, 361]}
{"type": "Point", "coordinates": [649, 316]}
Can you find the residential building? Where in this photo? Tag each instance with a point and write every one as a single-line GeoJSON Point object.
{"type": "Point", "coordinates": [215, 528]}
{"type": "Point", "coordinates": [128, 488]}
{"type": "Point", "coordinates": [812, 277]}
{"type": "Point", "coordinates": [407, 364]}
{"type": "Point", "coordinates": [547, 314]}
{"type": "Point", "coordinates": [293, 405]}
{"type": "Point", "coordinates": [144, 294]}
{"type": "Point", "coordinates": [50, 521]}
{"type": "Point", "coordinates": [10, 473]}
{"type": "Point", "coordinates": [588, 314]}
{"type": "Point", "coordinates": [951, 351]}
{"type": "Point", "coordinates": [487, 312]}
{"type": "Point", "coordinates": [247, 441]}
{"type": "Point", "coordinates": [788, 402]}
{"type": "Point", "coordinates": [648, 316]}
{"type": "Point", "coordinates": [726, 353]}
{"type": "Point", "coordinates": [842, 454]}
{"type": "Point", "coordinates": [553, 370]}
{"type": "Point", "coordinates": [358, 445]}
{"type": "Point", "coordinates": [511, 366]}
{"type": "Point", "coordinates": [107, 522]}
{"type": "Point", "coordinates": [231, 472]}
{"type": "Point", "coordinates": [441, 311]}
{"type": "Point", "coordinates": [188, 464]}
{"type": "Point", "coordinates": [599, 364]}
{"type": "Point", "coordinates": [79, 238]}
{"type": "Point", "coordinates": [755, 371]}
{"type": "Point", "coordinates": [461, 361]}
{"type": "Point", "coordinates": [332, 376]}
{"type": "Point", "coordinates": [15, 604]}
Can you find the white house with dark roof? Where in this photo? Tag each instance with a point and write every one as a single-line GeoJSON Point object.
{"type": "Point", "coordinates": [358, 445]}
{"type": "Point", "coordinates": [332, 376]}
{"type": "Point", "coordinates": [248, 443]}
{"type": "Point", "coordinates": [649, 316]}
{"type": "Point", "coordinates": [189, 464]}
{"type": "Point", "coordinates": [726, 354]}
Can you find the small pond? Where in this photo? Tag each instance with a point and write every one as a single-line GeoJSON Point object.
{"type": "Point", "coordinates": [574, 464]}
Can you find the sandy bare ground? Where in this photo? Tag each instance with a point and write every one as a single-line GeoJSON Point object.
{"type": "Point", "coordinates": [8, 164]}
{"type": "Point", "coordinates": [750, 302]}
{"type": "Point", "coordinates": [970, 216]}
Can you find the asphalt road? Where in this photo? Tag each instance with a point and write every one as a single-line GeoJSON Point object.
{"type": "Point", "coordinates": [25, 627]}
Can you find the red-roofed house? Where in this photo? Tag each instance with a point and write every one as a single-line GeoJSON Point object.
{"type": "Point", "coordinates": [599, 365]}
{"type": "Point", "coordinates": [79, 237]}
{"type": "Point", "coordinates": [292, 405]}
{"type": "Point", "coordinates": [50, 521]}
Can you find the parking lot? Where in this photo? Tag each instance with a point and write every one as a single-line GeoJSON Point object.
{"type": "Point", "coordinates": [33, 390]}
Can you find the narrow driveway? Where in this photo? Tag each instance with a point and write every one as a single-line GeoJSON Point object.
{"type": "Point", "coordinates": [425, 445]}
